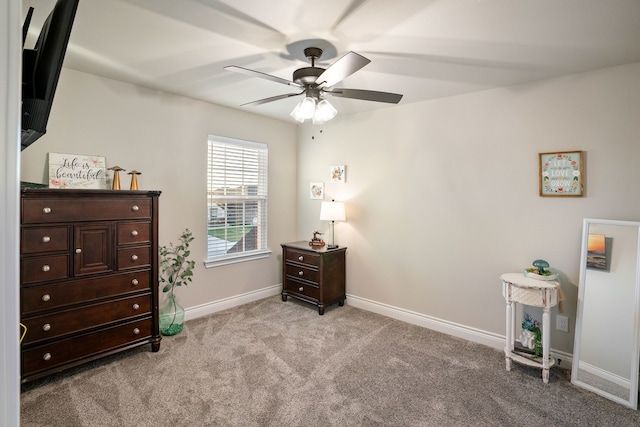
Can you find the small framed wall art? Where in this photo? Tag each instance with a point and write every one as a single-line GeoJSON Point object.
{"type": "Point", "coordinates": [316, 190]}
{"type": "Point", "coordinates": [337, 174]}
{"type": "Point", "coordinates": [560, 174]}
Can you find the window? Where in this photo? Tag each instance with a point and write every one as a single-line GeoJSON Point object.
{"type": "Point", "coordinates": [236, 200]}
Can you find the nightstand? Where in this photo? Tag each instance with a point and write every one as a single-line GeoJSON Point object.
{"type": "Point", "coordinates": [314, 275]}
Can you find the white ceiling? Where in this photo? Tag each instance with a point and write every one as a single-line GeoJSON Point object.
{"type": "Point", "coordinates": [423, 49]}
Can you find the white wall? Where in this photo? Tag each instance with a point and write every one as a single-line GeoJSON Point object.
{"type": "Point", "coordinates": [442, 196]}
{"type": "Point", "coordinates": [165, 137]}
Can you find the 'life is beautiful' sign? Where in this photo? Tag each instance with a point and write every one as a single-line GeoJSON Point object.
{"type": "Point", "coordinates": [77, 171]}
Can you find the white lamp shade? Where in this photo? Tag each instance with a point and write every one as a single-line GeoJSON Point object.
{"type": "Point", "coordinates": [332, 211]}
{"type": "Point", "coordinates": [324, 112]}
{"type": "Point", "coordinates": [295, 113]}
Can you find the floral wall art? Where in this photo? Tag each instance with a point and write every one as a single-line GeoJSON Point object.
{"type": "Point", "coordinates": [337, 174]}
{"type": "Point", "coordinates": [561, 174]}
{"type": "Point", "coordinates": [316, 190]}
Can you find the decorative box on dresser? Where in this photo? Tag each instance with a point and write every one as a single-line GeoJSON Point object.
{"type": "Point", "coordinates": [88, 276]}
{"type": "Point", "coordinates": [313, 275]}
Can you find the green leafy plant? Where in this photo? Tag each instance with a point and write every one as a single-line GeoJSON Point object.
{"type": "Point", "coordinates": [530, 324]}
{"type": "Point", "coordinates": [176, 269]}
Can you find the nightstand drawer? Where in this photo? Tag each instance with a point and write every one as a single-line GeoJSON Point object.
{"type": "Point", "coordinates": [302, 289]}
{"type": "Point", "coordinates": [302, 257]}
{"type": "Point", "coordinates": [302, 273]}
{"type": "Point", "coordinates": [44, 239]}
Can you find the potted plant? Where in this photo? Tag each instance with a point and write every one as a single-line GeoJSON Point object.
{"type": "Point", "coordinates": [531, 334]}
{"type": "Point", "coordinates": [176, 269]}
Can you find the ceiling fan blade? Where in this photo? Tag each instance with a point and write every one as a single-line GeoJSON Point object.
{"type": "Point", "coordinates": [366, 95]}
{"type": "Point", "coordinates": [262, 75]}
{"type": "Point", "coordinates": [341, 69]}
{"type": "Point", "coordinates": [272, 98]}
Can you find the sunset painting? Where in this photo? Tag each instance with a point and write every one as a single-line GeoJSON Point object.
{"type": "Point", "coordinates": [596, 252]}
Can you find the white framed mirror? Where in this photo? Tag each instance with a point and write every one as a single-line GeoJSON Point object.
{"type": "Point", "coordinates": [606, 352]}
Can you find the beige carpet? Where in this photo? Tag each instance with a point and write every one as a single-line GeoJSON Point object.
{"type": "Point", "coordinates": [274, 363]}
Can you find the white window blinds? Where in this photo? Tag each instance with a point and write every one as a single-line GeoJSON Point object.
{"type": "Point", "coordinates": [236, 199]}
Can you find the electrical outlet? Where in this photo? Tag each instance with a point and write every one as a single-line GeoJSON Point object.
{"type": "Point", "coordinates": [562, 323]}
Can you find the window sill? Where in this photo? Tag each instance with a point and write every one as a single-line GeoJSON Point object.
{"type": "Point", "coordinates": [233, 259]}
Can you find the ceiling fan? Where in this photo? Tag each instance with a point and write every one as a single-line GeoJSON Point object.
{"type": "Point", "coordinates": [315, 82]}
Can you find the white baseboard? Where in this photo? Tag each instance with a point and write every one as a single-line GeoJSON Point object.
{"type": "Point", "coordinates": [234, 301]}
{"type": "Point", "coordinates": [450, 328]}
{"type": "Point", "coordinates": [606, 375]}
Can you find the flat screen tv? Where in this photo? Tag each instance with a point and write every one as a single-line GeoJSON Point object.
{"type": "Point", "coordinates": [41, 68]}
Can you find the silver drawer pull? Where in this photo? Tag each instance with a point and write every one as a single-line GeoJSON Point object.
{"type": "Point", "coordinates": [300, 258]}
{"type": "Point", "coordinates": [135, 282]}
{"type": "Point", "coordinates": [46, 210]}
{"type": "Point", "coordinates": [47, 356]}
{"type": "Point", "coordinates": [79, 251]}
{"type": "Point", "coordinates": [46, 297]}
{"type": "Point", "coordinates": [134, 257]}
{"type": "Point", "coordinates": [134, 233]}
{"type": "Point", "coordinates": [136, 306]}
{"type": "Point", "coordinates": [300, 273]}
{"type": "Point", "coordinates": [46, 239]}
{"type": "Point", "coordinates": [301, 289]}
{"type": "Point", "coordinates": [136, 331]}
{"type": "Point", "coordinates": [135, 208]}
{"type": "Point", "coordinates": [46, 268]}
{"type": "Point", "coordinates": [46, 327]}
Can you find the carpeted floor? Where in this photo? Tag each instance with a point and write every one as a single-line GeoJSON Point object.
{"type": "Point", "coordinates": [274, 363]}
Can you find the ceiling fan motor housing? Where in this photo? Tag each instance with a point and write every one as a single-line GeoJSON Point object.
{"type": "Point", "coordinates": [307, 75]}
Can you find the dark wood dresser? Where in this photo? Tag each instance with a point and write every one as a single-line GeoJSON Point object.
{"type": "Point", "coordinates": [317, 276]}
{"type": "Point", "coordinates": [88, 276]}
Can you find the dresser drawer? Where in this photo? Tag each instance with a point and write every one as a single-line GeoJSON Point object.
{"type": "Point", "coordinates": [45, 210]}
{"type": "Point", "coordinates": [134, 232]}
{"type": "Point", "coordinates": [44, 239]}
{"type": "Point", "coordinates": [48, 356]}
{"type": "Point", "coordinates": [44, 268]}
{"type": "Point", "coordinates": [302, 289]}
{"type": "Point", "coordinates": [302, 257]}
{"type": "Point", "coordinates": [136, 257]}
{"type": "Point", "coordinates": [303, 273]}
{"type": "Point", "coordinates": [88, 317]}
{"type": "Point", "coordinates": [51, 296]}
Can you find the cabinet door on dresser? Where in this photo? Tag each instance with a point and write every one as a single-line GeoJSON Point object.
{"type": "Point", "coordinates": [89, 276]}
{"type": "Point", "coordinates": [93, 249]}
{"type": "Point", "coordinates": [317, 276]}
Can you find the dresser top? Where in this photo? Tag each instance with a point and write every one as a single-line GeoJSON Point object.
{"type": "Point", "coordinates": [304, 244]}
{"type": "Point", "coordinates": [85, 192]}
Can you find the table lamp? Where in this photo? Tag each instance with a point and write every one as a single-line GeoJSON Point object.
{"type": "Point", "coordinates": [332, 211]}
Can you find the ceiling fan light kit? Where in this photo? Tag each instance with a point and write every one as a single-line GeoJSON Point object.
{"type": "Point", "coordinates": [319, 112]}
{"type": "Point", "coordinates": [316, 82]}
